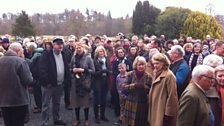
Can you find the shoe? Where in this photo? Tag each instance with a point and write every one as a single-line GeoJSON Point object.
{"type": "Point", "coordinates": [118, 123]}
{"type": "Point", "coordinates": [27, 118]}
{"type": "Point", "coordinates": [97, 120]}
{"type": "Point", "coordinates": [104, 119]}
{"type": "Point", "coordinates": [36, 110]}
{"type": "Point", "coordinates": [60, 122]}
{"type": "Point", "coordinates": [76, 123]}
{"type": "Point", "coordinates": [86, 123]}
{"type": "Point", "coordinates": [68, 107]}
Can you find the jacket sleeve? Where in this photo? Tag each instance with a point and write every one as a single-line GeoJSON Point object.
{"type": "Point", "coordinates": [25, 75]}
{"type": "Point", "coordinates": [91, 67]}
{"type": "Point", "coordinates": [172, 99]}
{"type": "Point", "coordinates": [187, 111]}
{"type": "Point", "coordinates": [43, 72]}
{"type": "Point", "coordinates": [182, 74]}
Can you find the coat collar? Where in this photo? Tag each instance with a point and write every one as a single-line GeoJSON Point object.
{"type": "Point", "coordinates": [159, 78]}
{"type": "Point", "coordinates": [10, 53]}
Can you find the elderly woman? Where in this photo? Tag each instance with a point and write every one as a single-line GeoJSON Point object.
{"type": "Point", "coordinates": [163, 101]}
{"type": "Point", "coordinates": [137, 86]}
{"type": "Point", "coordinates": [212, 94]}
{"type": "Point", "coordinates": [100, 85]}
{"type": "Point", "coordinates": [219, 76]}
{"type": "Point", "coordinates": [82, 68]}
{"type": "Point", "coordinates": [149, 66]}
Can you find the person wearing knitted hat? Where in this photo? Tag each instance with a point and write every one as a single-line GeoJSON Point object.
{"type": "Point", "coordinates": [5, 43]}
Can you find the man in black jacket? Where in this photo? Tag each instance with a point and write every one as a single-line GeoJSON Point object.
{"type": "Point", "coordinates": [68, 50]}
{"type": "Point", "coordinates": [54, 75]}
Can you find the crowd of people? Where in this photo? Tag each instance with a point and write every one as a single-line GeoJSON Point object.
{"type": "Point", "coordinates": [151, 81]}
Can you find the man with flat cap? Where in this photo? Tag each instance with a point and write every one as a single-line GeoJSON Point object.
{"type": "Point", "coordinates": [54, 74]}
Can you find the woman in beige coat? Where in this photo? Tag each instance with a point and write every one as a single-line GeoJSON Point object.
{"type": "Point", "coordinates": [163, 101]}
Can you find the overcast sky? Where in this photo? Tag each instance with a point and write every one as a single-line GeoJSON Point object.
{"type": "Point", "coordinates": [118, 8]}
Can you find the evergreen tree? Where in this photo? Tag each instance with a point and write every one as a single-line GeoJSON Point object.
{"type": "Point", "coordinates": [198, 25]}
{"type": "Point", "coordinates": [23, 26]}
{"type": "Point", "coordinates": [137, 20]}
{"type": "Point", "coordinates": [150, 14]}
{"type": "Point", "coordinates": [171, 21]}
{"type": "Point", "coordinates": [144, 18]}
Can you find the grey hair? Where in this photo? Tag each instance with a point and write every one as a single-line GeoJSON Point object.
{"type": "Point", "coordinates": [152, 52]}
{"type": "Point", "coordinates": [15, 46]}
{"type": "Point", "coordinates": [31, 44]}
{"type": "Point", "coordinates": [178, 49]}
{"type": "Point", "coordinates": [213, 60]}
{"type": "Point", "coordinates": [200, 70]}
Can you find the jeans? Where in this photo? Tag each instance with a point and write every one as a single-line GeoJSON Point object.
{"type": "Point", "coordinates": [37, 94]}
{"type": "Point", "coordinates": [55, 94]}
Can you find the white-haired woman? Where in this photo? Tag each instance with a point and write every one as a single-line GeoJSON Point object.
{"type": "Point", "coordinates": [136, 87]}
{"type": "Point", "coordinates": [101, 83]}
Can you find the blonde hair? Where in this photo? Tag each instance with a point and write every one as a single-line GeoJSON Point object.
{"type": "Point", "coordinates": [188, 45]}
{"type": "Point", "coordinates": [84, 46]}
{"type": "Point", "coordinates": [219, 68]}
{"type": "Point", "coordinates": [162, 58]}
{"type": "Point", "coordinates": [122, 64]}
{"type": "Point", "coordinates": [98, 49]}
{"type": "Point", "coordinates": [138, 59]}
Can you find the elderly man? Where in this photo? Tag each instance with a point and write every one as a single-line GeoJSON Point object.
{"type": "Point", "coordinates": [219, 49]}
{"type": "Point", "coordinates": [15, 76]}
{"type": "Point", "coordinates": [194, 108]}
{"type": "Point", "coordinates": [214, 60]}
{"type": "Point", "coordinates": [179, 68]}
{"type": "Point", "coordinates": [54, 74]}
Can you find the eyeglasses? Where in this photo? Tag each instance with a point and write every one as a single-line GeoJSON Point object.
{"type": "Point", "coordinates": [210, 78]}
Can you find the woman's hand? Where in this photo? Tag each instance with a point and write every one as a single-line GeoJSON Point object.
{"type": "Point", "coordinates": [78, 70]}
{"type": "Point", "coordinates": [137, 85]}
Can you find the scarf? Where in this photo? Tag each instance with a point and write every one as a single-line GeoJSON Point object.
{"type": "Point", "coordinates": [102, 61]}
{"type": "Point", "coordinates": [139, 74]}
{"type": "Point", "coordinates": [221, 90]}
{"type": "Point", "coordinates": [199, 60]}
{"type": "Point", "coordinates": [121, 59]}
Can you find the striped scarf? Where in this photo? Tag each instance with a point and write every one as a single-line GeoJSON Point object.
{"type": "Point", "coordinates": [199, 60]}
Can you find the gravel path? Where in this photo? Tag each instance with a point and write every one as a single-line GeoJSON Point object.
{"type": "Point", "coordinates": [68, 116]}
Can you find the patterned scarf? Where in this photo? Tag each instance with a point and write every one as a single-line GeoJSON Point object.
{"type": "Point", "coordinates": [199, 60]}
{"type": "Point", "coordinates": [221, 90]}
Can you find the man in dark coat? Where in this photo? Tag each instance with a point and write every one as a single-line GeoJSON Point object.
{"type": "Point", "coordinates": [15, 76]}
{"type": "Point", "coordinates": [54, 74]}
